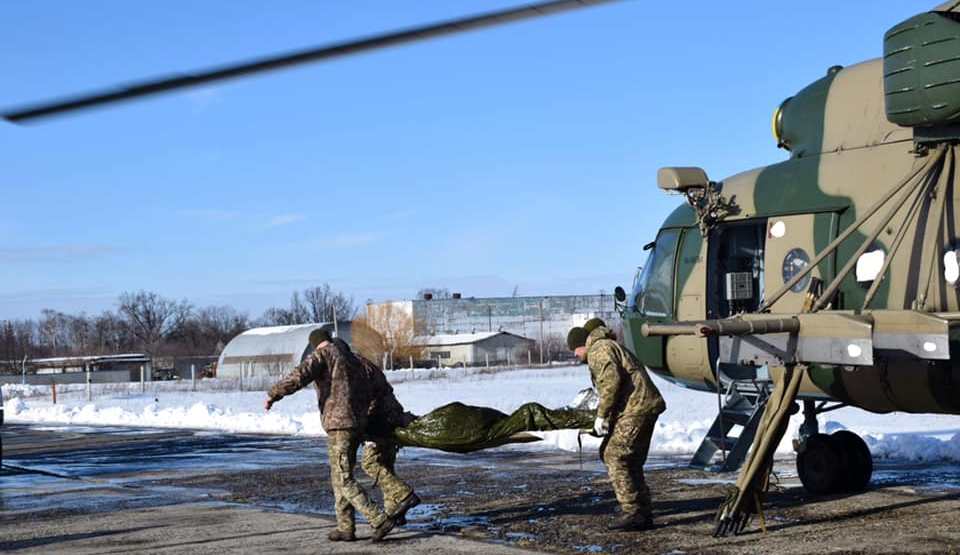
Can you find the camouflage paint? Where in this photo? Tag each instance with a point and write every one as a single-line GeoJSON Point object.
{"type": "Point", "coordinates": [845, 156]}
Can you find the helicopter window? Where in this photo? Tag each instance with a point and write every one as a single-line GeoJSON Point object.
{"type": "Point", "coordinates": [795, 262]}
{"type": "Point", "coordinates": [869, 265]}
{"type": "Point", "coordinates": [653, 289]}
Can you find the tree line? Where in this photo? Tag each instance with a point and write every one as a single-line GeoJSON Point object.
{"type": "Point", "coordinates": [145, 321]}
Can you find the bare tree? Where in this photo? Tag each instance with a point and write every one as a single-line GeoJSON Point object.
{"type": "Point", "coordinates": [314, 305]}
{"type": "Point", "coordinates": [395, 329]}
{"type": "Point", "coordinates": [80, 334]}
{"type": "Point", "coordinates": [54, 335]}
{"type": "Point", "coordinates": [111, 333]}
{"type": "Point", "coordinates": [153, 318]}
{"type": "Point", "coordinates": [322, 302]}
{"type": "Point", "coordinates": [219, 324]}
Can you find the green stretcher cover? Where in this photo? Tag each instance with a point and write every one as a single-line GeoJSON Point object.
{"type": "Point", "coordinates": [460, 428]}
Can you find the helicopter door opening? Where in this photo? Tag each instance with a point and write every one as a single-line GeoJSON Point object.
{"type": "Point", "coordinates": [736, 268]}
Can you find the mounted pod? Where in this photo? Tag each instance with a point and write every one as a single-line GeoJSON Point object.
{"type": "Point", "coordinates": [921, 68]}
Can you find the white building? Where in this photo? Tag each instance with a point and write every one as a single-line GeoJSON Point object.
{"type": "Point", "coordinates": [476, 349]}
{"type": "Point", "coordinates": [271, 351]}
{"type": "Point", "coordinates": [540, 318]}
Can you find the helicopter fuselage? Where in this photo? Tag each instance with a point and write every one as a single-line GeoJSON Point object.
{"type": "Point", "coordinates": [845, 154]}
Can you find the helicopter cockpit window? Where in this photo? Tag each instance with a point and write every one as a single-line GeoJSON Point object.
{"type": "Point", "coordinates": [653, 288]}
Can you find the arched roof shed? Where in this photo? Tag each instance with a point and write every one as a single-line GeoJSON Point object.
{"type": "Point", "coordinates": [271, 351]}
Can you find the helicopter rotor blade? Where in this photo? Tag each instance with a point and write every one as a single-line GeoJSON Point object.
{"type": "Point", "coordinates": [271, 63]}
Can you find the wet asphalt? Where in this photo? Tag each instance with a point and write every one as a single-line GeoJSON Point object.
{"type": "Point", "coordinates": [60, 486]}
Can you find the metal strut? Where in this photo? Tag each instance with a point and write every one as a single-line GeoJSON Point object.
{"type": "Point", "coordinates": [745, 499]}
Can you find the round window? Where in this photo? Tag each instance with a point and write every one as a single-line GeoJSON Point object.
{"type": "Point", "coordinates": [794, 263]}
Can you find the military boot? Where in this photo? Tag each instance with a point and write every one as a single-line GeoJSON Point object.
{"type": "Point", "coordinates": [632, 522]}
{"type": "Point", "coordinates": [338, 535]}
{"type": "Point", "coordinates": [381, 531]}
{"type": "Point", "coordinates": [400, 512]}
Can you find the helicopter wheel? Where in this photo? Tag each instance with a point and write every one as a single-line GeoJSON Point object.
{"type": "Point", "coordinates": [858, 461]}
{"type": "Point", "coordinates": [840, 462]}
{"type": "Point", "coordinates": [819, 464]}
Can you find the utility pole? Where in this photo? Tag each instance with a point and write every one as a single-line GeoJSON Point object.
{"type": "Point", "coordinates": [336, 329]}
{"type": "Point", "coordinates": [541, 331]}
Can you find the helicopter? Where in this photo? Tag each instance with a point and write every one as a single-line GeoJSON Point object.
{"type": "Point", "coordinates": [823, 281]}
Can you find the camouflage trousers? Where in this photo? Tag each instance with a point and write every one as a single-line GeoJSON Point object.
{"type": "Point", "coordinates": [379, 457]}
{"type": "Point", "coordinates": [378, 460]}
{"type": "Point", "coordinates": [624, 452]}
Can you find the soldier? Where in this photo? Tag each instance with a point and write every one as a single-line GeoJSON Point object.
{"type": "Point", "coordinates": [346, 398]}
{"type": "Point", "coordinates": [629, 406]}
{"type": "Point", "coordinates": [379, 448]}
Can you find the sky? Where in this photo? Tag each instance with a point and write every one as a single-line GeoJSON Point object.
{"type": "Point", "coordinates": [522, 157]}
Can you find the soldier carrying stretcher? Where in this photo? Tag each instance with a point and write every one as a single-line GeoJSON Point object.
{"type": "Point", "coordinates": [626, 416]}
{"type": "Point", "coordinates": [356, 405]}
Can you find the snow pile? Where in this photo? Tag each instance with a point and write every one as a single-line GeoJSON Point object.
{"type": "Point", "coordinates": [199, 415]}
{"type": "Point", "coordinates": [679, 430]}
{"type": "Point", "coordinates": [914, 447]}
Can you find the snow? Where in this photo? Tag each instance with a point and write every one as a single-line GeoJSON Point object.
{"type": "Point", "coordinates": [275, 330]}
{"type": "Point", "coordinates": [679, 430]}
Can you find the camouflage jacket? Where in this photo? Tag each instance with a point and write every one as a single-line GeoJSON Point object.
{"type": "Point", "coordinates": [385, 412]}
{"type": "Point", "coordinates": [343, 389]}
{"type": "Point", "coordinates": [623, 384]}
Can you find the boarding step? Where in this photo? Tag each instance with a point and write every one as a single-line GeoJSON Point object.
{"type": "Point", "coordinates": [738, 411]}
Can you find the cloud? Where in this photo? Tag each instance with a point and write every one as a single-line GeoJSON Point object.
{"type": "Point", "coordinates": [58, 253]}
{"type": "Point", "coordinates": [285, 219]}
{"type": "Point", "coordinates": [214, 214]}
{"type": "Point", "coordinates": [225, 215]}
{"type": "Point", "coordinates": [351, 240]}
{"type": "Point", "coordinates": [204, 97]}
{"type": "Point", "coordinates": [401, 214]}
{"type": "Point", "coordinates": [56, 295]}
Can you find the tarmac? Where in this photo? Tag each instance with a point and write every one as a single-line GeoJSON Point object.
{"type": "Point", "coordinates": [88, 490]}
{"type": "Point", "coordinates": [113, 490]}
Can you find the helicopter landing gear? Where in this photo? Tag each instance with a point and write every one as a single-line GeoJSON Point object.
{"type": "Point", "coordinates": [835, 463]}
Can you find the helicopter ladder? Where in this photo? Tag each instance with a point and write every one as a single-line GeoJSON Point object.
{"type": "Point", "coordinates": [737, 411]}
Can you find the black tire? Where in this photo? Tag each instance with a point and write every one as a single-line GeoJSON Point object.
{"type": "Point", "coordinates": [859, 461]}
{"type": "Point", "coordinates": [820, 464]}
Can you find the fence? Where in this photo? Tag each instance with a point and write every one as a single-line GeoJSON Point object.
{"type": "Point", "coordinates": [224, 385]}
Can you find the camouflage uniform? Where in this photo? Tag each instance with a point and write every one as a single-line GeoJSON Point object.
{"type": "Point", "coordinates": [345, 396]}
{"type": "Point", "coordinates": [631, 403]}
{"type": "Point", "coordinates": [380, 449]}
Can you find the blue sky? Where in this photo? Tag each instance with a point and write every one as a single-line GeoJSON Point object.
{"type": "Point", "coordinates": [519, 156]}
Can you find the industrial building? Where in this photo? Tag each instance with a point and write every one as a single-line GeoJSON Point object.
{"type": "Point", "coordinates": [73, 369]}
{"type": "Point", "coordinates": [476, 349]}
{"type": "Point", "coordinates": [538, 318]}
{"type": "Point", "coordinates": [271, 351]}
